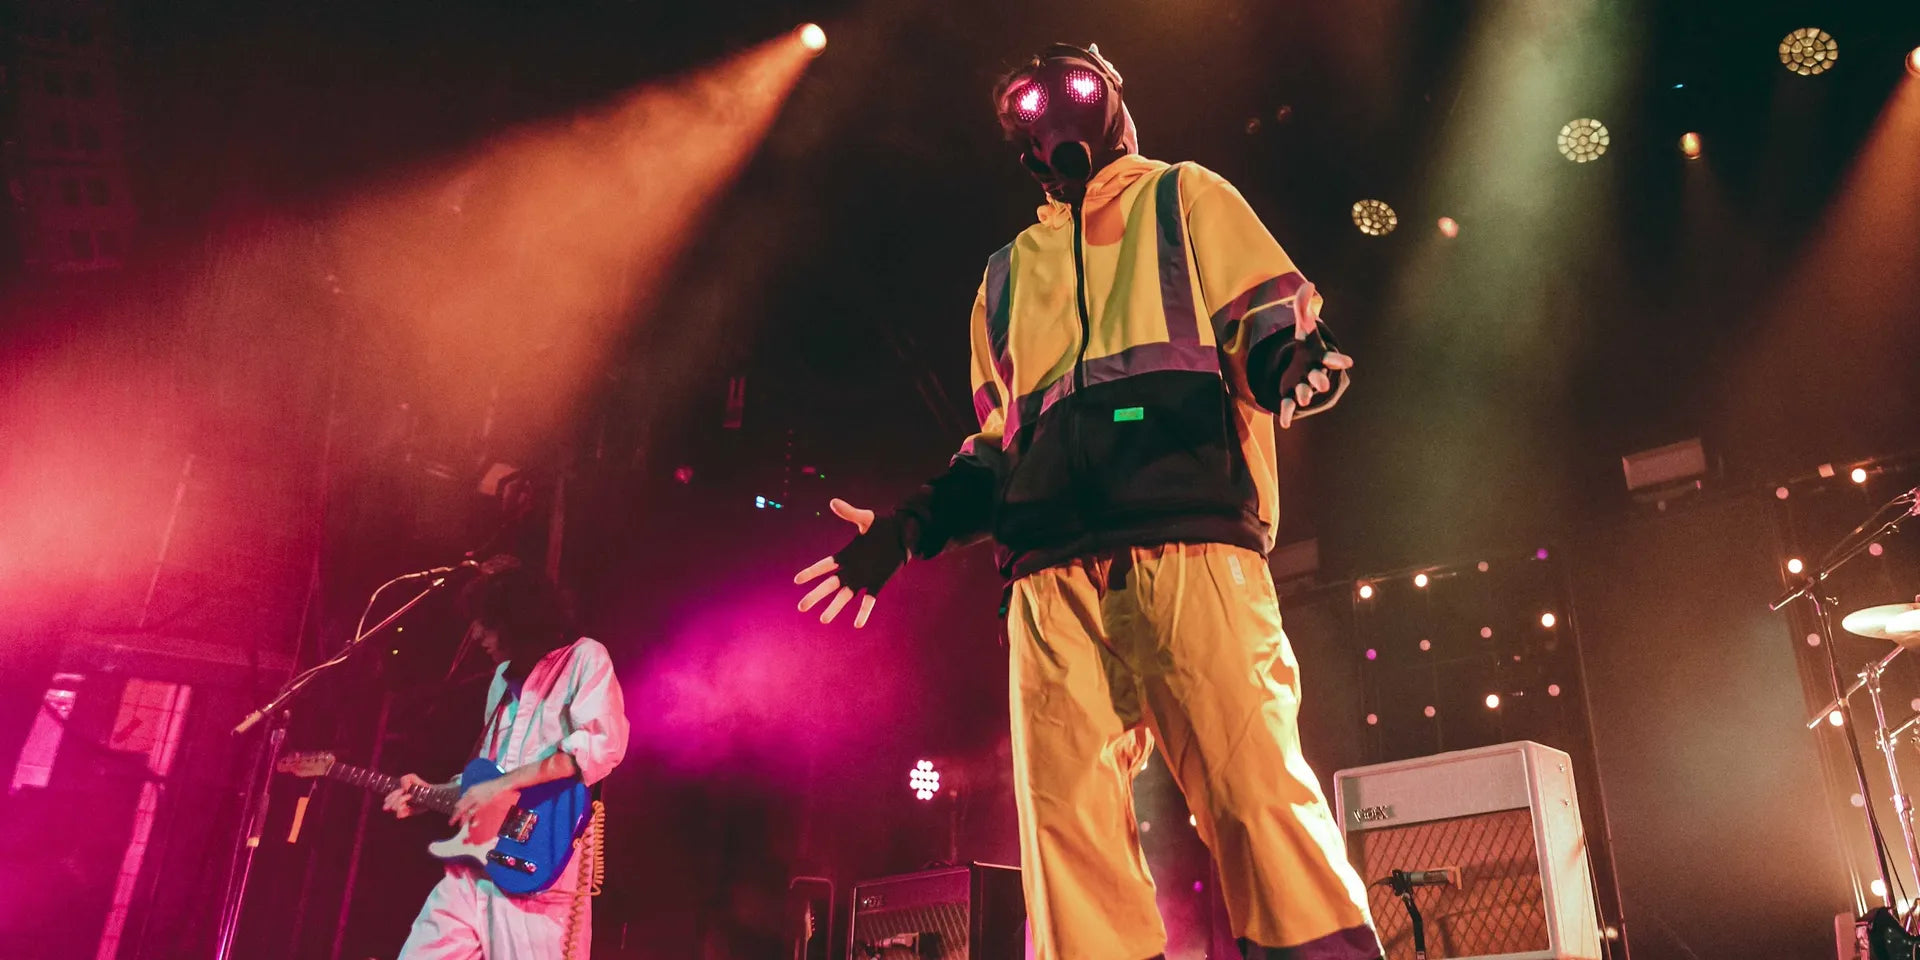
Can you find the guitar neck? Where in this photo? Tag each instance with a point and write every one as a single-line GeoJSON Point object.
{"type": "Point", "coordinates": [439, 799]}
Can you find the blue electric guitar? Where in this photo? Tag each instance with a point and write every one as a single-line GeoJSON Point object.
{"type": "Point", "coordinates": [535, 842]}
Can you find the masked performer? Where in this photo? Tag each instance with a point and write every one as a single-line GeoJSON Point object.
{"type": "Point", "coordinates": [553, 712]}
{"type": "Point", "coordinates": [1131, 354]}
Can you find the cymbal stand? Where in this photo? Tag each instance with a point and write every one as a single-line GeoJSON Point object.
{"type": "Point", "coordinates": [1812, 588]}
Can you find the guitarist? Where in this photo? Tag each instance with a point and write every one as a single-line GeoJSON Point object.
{"type": "Point", "coordinates": [554, 711]}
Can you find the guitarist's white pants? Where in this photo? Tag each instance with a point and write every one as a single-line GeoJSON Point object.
{"type": "Point", "coordinates": [467, 918]}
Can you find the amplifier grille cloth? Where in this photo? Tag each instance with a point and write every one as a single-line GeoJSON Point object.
{"type": "Point", "coordinates": [1499, 906]}
{"type": "Point", "coordinates": [949, 920]}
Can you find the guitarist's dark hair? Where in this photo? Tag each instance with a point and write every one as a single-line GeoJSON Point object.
{"type": "Point", "coordinates": [524, 606]}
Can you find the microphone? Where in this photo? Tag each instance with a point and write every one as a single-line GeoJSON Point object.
{"type": "Point", "coordinates": [1404, 881]}
{"type": "Point", "coordinates": [437, 571]}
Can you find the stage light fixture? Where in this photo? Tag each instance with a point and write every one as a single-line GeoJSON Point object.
{"type": "Point", "coordinates": [1493, 701]}
{"type": "Point", "coordinates": [1373, 719]}
{"type": "Point", "coordinates": [1366, 591]}
{"type": "Point", "coordinates": [1879, 887]}
{"type": "Point", "coordinates": [1859, 475]}
{"type": "Point", "coordinates": [1781, 493]}
{"type": "Point", "coordinates": [1584, 140]}
{"type": "Point", "coordinates": [1548, 620]}
{"type": "Point", "coordinates": [1430, 711]}
{"type": "Point", "coordinates": [1192, 821]}
{"type": "Point", "coordinates": [1486, 633]}
{"type": "Point", "coordinates": [1373, 654]}
{"type": "Point", "coordinates": [1449, 227]}
{"type": "Point", "coordinates": [1809, 51]}
{"type": "Point", "coordinates": [1425, 645]}
{"type": "Point", "coordinates": [1913, 62]}
{"type": "Point", "coordinates": [923, 780]}
{"type": "Point", "coordinates": [1795, 566]}
{"type": "Point", "coordinates": [1835, 718]}
{"type": "Point", "coordinates": [812, 37]}
{"type": "Point", "coordinates": [1690, 145]}
{"type": "Point", "coordinates": [1553, 689]}
{"type": "Point", "coordinates": [1374, 217]}
{"type": "Point", "coordinates": [1481, 566]}
{"type": "Point", "coordinates": [1420, 580]}
{"type": "Point", "coordinates": [1875, 549]}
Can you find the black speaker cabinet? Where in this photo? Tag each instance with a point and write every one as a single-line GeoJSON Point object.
{"type": "Point", "coordinates": [973, 912]}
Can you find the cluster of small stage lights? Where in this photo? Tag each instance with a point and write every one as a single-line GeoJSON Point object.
{"type": "Point", "coordinates": [924, 780]}
{"type": "Point", "coordinates": [1548, 620]}
{"type": "Point", "coordinates": [1584, 140]}
{"type": "Point", "coordinates": [1809, 51]}
{"type": "Point", "coordinates": [1374, 217]}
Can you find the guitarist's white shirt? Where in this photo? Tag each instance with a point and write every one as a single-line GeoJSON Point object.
{"type": "Point", "coordinates": [570, 701]}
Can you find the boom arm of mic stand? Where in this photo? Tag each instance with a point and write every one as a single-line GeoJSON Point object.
{"type": "Point", "coordinates": [300, 682]}
{"type": "Point", "coordinates": [1827, 569]}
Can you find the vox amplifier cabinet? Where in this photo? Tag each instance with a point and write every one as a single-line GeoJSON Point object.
{"type": "Point", "coordinates": [974, 912]}
{"type": "Point", "coordinates": [1506, 824]}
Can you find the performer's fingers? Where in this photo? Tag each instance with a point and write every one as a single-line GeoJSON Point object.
{"type": "Point", "coordinates": [866, 610]}
{"type": "Point", "coordinates": [1286, 413]}
{"type": "Point", "coordinates": [819, 593]}
{"type": "Point", "coordinates": [827, 565]}
{"type": "Point", "coordinates": [852, 514]}
{"type": "Point", "coordinates": [1319, 380]}
{"type": "Point", "coordinates": [1304, 320]}
{"type": "Point", "coordinates": [1337, 361]}
{"type": "Point", "coordinates": [839, 603]}
{"type": "Point", "coordinates": [1303, 393]}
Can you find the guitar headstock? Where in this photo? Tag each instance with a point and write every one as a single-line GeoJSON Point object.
{"type": "Point", "coordinates": [306, 764]}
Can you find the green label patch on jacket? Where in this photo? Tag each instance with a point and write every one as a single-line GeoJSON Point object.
{"type": "Point", "coordinates": [1125, 414]}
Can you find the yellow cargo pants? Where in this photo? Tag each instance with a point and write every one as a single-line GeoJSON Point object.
{"type": "Point", "coordinates": [1180, 642]}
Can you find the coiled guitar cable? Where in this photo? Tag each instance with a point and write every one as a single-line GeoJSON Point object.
{"type": "Point", "coordinates": [588, 850]}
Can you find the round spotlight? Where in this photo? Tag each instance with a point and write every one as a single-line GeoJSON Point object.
{"type": "Point", "coordinates": [1809, 51]}
{"type": "Point", "coordinates": [1486, 633]}
{"type": "Point", "coordinates": [1374, 218]}
{"type": "Point", "coordinates": [1875, 549]}
{"type": "Point", "coordinates": [1859, 475]}
{"type": "Point", "coordinates": [1426, 645]}
{"type": "Point", "coordinates": [1548, 620]}
{"type": "Point", "coordinates": [1835, 718]}
{"type": "Point", "coordinates": [1481, 566]}
{"type": "Point", "coordinates": [1373, 654]}
{"type": "Point", "coordinates": [1879, 887]}
{"type": "Point", "coordinates": [1584, 140]}
{"type": "Point", "coordinates": [1373, 719]}
{"type": "Point", "coordinates": [1690, 145]}
{"type": "Point", "coordinates": [1781, 493]}
{"type": "Point", "coordinates": [1449, 227]}
{"type": "Point", "coordinates": [1419, 579]}
{"type": "Point", "coordinates": [1553, 689]}
{"type": "Point", "coordinates": [1493, 701]}
{"type": "Point", "coordinates": [1366, 591]}
{"type": "Point", "coordinates": [1913, 62]}
{"type": "Point", "coordinates": [1429, 711]}
{"type": "Point", "coordinates": [1192, 821]}
{"type": "Point", "coordinates": [812, 37]}
{"type": "Point", "coordinates": [1795, 566]}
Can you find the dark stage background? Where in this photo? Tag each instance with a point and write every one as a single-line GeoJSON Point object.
{"type": "Point", "coordinates": [633, 289]}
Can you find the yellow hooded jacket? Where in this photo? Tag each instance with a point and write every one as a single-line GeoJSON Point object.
{"type": "Point", "coordinates": [1129, 356]}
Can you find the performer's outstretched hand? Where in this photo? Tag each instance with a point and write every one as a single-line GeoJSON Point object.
{"type": "Point", "coordinates": [1305, 323]}
{"type": "Point", "coordinates": [861, 567]}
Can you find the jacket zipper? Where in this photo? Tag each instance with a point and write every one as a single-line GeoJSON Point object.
{"type": "Point", "coordinates": [1074, 452]}
{"type": "Point", "coordinates": [1080, 300]}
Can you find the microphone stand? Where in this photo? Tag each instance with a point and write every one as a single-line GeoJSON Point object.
{"type": "Point", "coordinates": [277, 713]}
{"type": "Point", "coordinates": [1402, 887]}
{"type": "Point", "coordinates": [1812, 588]}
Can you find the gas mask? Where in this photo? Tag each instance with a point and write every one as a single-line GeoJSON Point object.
{"type": "Point", "coordinates": [1064, 109]}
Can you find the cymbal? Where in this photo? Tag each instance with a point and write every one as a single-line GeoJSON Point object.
{"type": "Point", "coordinates": [1899, 622]}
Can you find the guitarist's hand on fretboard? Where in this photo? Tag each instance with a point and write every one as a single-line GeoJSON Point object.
{"type": "Point", "coordinates": [399, 800]}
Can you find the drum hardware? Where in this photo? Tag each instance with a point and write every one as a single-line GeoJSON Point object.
{"type": "Point", "coordinates": [1887, 623]}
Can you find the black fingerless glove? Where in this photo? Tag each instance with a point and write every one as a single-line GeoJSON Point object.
{"type": "Point", "coordinates": [1279, 362]}
{"type": "Point", "coordinates": [870, 558]}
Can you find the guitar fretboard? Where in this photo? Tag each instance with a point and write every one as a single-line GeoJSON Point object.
{"type": "Point", "coordinates": [436, 798]}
